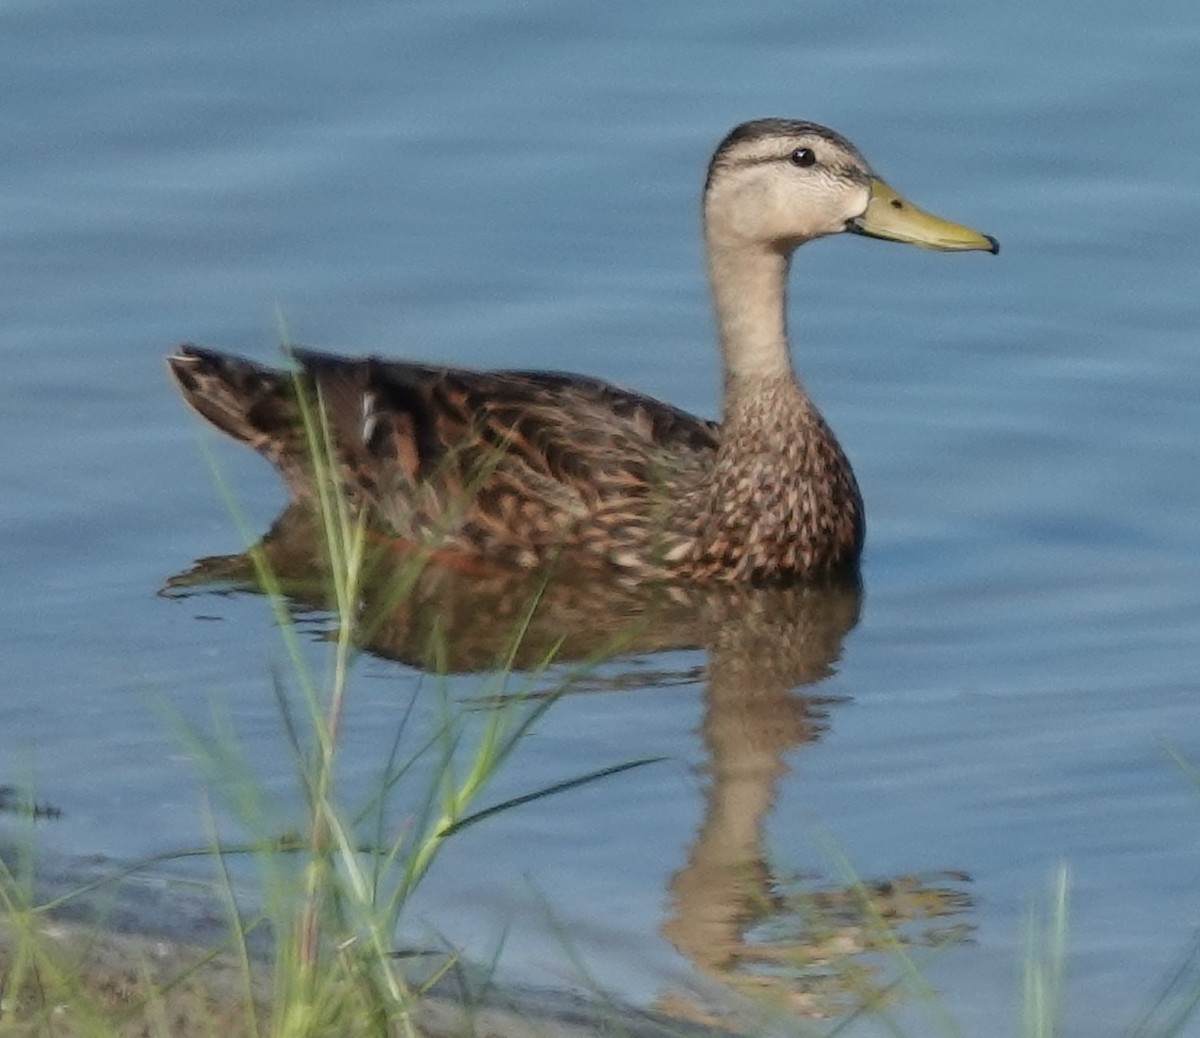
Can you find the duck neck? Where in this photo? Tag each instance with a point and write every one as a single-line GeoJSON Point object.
{"type": "Point", "coordinates": [749, 286]}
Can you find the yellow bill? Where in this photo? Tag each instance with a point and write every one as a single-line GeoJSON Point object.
{"type": "Point", "coordinates": [893, 217]}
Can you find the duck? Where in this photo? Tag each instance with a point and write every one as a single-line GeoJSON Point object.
{"type": "Point", "coordinates": [531, 470]}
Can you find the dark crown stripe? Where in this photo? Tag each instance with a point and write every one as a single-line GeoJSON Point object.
{"type": "Point", "coordinates": [767, 129]}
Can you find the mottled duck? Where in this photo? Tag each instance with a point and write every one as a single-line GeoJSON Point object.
{"type": "Point", "coordinates": [529, 469]}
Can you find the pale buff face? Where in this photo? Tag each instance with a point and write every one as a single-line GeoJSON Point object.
{"type": "Point", "coordinates": [781, 190]}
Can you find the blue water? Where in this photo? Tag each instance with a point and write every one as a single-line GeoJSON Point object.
{"type": "Point", "coordinates": [496, 184]}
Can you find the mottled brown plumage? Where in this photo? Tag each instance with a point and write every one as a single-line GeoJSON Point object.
{"type": "Point", "coordinates": [531, 469]}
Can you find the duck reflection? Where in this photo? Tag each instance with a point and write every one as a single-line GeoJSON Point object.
{"type": "Point", "coordinates": [801, 940]}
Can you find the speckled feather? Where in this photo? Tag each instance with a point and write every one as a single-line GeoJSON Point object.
{"type": "Point", "coordinates": [527, 468]}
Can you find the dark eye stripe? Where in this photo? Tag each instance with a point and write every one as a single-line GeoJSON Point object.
{"type": "Point", "coordinates": [832, 165]}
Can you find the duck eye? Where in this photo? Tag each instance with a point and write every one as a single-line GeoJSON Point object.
{"type": "Point", "coordinates": [803, 157]}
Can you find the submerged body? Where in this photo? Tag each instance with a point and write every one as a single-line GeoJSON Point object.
{"type": "Point", "coordinates": [533, 469]}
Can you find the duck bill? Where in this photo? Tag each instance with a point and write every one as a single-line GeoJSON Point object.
{"type": "Point", "coordinates": [893, 217]}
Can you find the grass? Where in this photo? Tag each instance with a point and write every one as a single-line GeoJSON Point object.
{"type": "Point", "coordinates": [335, 891]}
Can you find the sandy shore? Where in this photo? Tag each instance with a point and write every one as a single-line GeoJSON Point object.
{"type": "Point", "coordinates": [130, 985]}
{"type": "Point", "coordinates": [148, 968]}
{"type": "Point", "coordinates": [88, 981]}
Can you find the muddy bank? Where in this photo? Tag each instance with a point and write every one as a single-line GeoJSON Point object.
{"type": "Point", "coordinates": [85, 981]}
{"type": "Point", "coordinates": [148, 956]}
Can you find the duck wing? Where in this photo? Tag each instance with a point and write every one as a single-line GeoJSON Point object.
{"type": "Point", "coordinates": [511, 464]}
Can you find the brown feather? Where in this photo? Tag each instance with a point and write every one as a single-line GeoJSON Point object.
{"type": "Point", "coordinates": [524, 468]}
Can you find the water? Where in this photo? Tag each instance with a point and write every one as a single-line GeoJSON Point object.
{"type": "Point", "coordinates": [499, 184]}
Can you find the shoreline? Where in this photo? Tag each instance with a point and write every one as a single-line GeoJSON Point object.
{"type": "Point", "coordinates": [64, 975]}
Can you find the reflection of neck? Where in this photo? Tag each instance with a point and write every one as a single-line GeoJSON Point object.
{"type": "Point", "coordinates": [761, 645]}
{"type": "Point", "coordinates": [749, 286]}
{"type": "Point", "coordinates": [751, 720]}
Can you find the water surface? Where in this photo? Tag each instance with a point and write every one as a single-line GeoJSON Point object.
{"type": "Point", "coordinates": [498, 185]}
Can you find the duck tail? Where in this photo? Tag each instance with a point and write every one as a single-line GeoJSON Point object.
{"type": "Point", "coordinates": [254, 404]}
{"type": "Point", "coordinates": [258, 405]}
